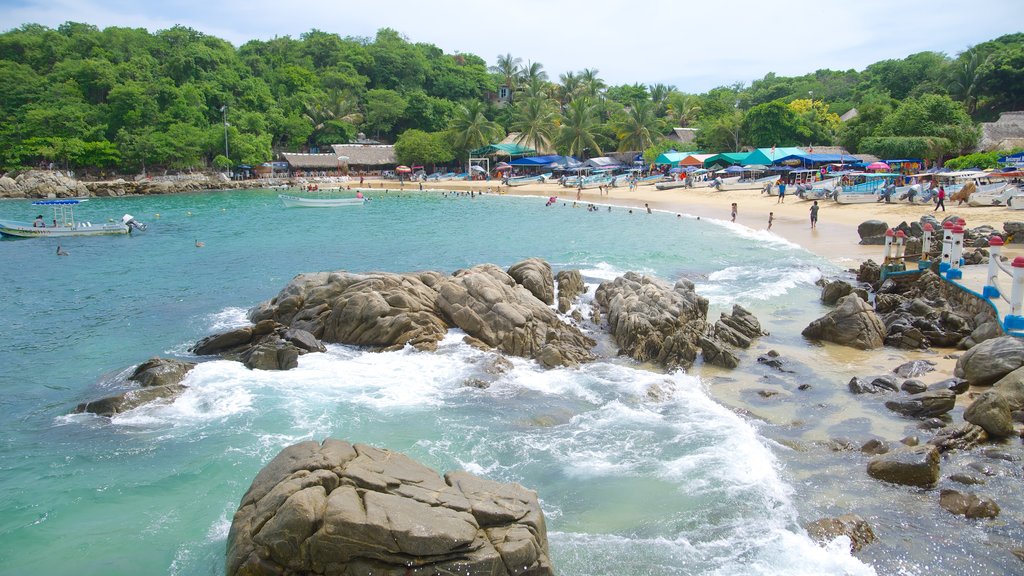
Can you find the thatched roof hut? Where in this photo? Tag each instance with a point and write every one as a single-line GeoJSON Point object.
{"type": "Point", "coordinates": [1007, 133]}
{"type": "Point", "coordinates": [315, 162]}
{"type": "Point", "coordinates": [367, 156]}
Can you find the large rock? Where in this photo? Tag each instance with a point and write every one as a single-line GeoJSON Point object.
{"type": "Point", "coordinates": [378, 310]}
{"type": "Point", "coordinates": [871, 229]}
{"type": "Point", "coordinates": [267, 345]}
{"type": "Point", "coordinates": [850, 525]}
{"type": "Point", "coordinates": [158, 378]}
{"type": "Point", "coordinates": [911, 466]}
{"type": "Point", "coordinates": [853, 323]}
{"type": "Point", "coordinates": [490, 306]}
{"type": "Point", "coordinates": [534, 274]}
{"type": "Point", "coordinates": [1011, 387]}
{"type": "Point", "coordinates": [652, 321]}
{"type": "Point", "coordinates": [925, 404]}
{"type": "Point", "coordinates": [989, 361]}
{"type": "Point", "coordinates": [991, 411]}
{"type": "Point", "coordinates": [50, 184]}
{"type": "Point", "coordinates": [338, 509]}
{"type": "Point", "coordinates": [570, 286]}
{"type": "Point", "coordinates": [9, 188]}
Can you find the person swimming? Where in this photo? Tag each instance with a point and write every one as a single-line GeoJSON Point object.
{"type": "Point", "coordinates": [61, 251]}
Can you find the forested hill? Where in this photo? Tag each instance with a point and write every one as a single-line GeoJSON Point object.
{"type": "Point", "coordinates": [125, 99]}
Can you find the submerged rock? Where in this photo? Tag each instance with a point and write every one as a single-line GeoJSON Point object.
{"type": "Point", "coordinates": [158, 378]}
{"type": "Point", "coordinates": [850, 525]}
{"type": "Point", "coordinates": [910, 466]}
{"type": "Point", "coordinates": [335, 508]}
{"type": "Point", "coordinates": [969, 505]}
{"type": "Point", "coordinates": [853, 323]}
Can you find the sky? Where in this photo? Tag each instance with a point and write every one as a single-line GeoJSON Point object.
{"type": "Point", "coordinates": [694, 46]}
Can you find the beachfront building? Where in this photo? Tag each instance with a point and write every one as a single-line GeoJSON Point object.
{"type": "Point", "coordinates": [300, 164]}
{"type": "Point", "coordinates": [367, 158]}
{"type": "Point", "coordinates": [683, 135]}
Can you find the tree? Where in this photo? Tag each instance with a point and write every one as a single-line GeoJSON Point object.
{"type": "Point", "coordinates": [682, 108]}
{"type": "Point", "coordinates": [636, 126]}
{"type": "Point", "coordinates": [771, 124]}
{"type": "Point", "coordinates": [470, 129]}
{"type": "Point", "coordinates": [534, 119]}
{"type": "Point", "coordinates": [963, 82]}
{"type": "Point", "coordinates": [932, 115]}
{"type": "Point", "coordinates": [533, 71]}
{"type": "Point", "coordinates": [569, 88]}
{"type": "Point", "coordinates": [590, 83]}
{"type": "Point", "coordinates": [816, 124]}
{"type": "Point", "coordinates": [383, 109]}
{"type": "Point", "coordinates": [720, 132]}
{"type": "Point", "coordinates": [577, 134]}
{"type": "Point", "coordinates": [507, 67]}
{"type": "Point", "coordinates": [419, 147]}
{"type": "Point", "coordinates": [1001, 79]}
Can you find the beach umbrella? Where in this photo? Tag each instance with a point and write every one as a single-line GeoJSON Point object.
{"type": "Point", "coordinates": [403, 169]}
{"type": "Point", "coordinates": [877, 166]}
{"type": "Point", "coordinates": [734, 170]}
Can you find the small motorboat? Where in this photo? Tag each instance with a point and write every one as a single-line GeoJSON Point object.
{"type": "Point", "coordinates": [64, 223]}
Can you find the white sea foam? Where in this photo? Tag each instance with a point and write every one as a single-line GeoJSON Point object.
{"type": "Point", "coordinates": [747, 283]}
{"type": "Point", "coordinates": [228, 319]}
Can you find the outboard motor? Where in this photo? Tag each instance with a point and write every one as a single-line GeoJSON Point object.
{"type": "Point", "coordinates": [130, 221]}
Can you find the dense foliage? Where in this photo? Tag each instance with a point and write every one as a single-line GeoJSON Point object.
{"type": "Point", "coordinates": [124, 99]}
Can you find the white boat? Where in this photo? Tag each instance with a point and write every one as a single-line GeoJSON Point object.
{"type": "Point", "coordinates": [998, 194]}
{"type": "Point", "coordinates": [671, 184]}
{"type": "Point", "coordinates": [818, 190]}
{"type": "Point", "coordinates": [522, 180]}
{"type": "Point", "coordinates": [64, 223]}
{"type": "Point", "coordinates": [863, 189]}
{"type": "Point", "coordinates": [748, 184]}
{"type": "Point", "coordinates": [319, 202]}
{"type": "Point", "coordinates": [650, 180]}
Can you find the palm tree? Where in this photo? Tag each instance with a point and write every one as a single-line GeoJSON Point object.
{"type": "Point", "coordinates": [659, 95]}
{"type": "Point", "coordinates": [591, 82]}
{"type": "Point", "coordinates": [470, 129]}
{"type": "Point", "coordinates": [635, 127]}
{"type": "Point", "coordinates": [536, 88]}
{"type": "Point", "coordinates": [508, 68]}
{"type": "Point", "coordinates": [335, 105]}
{"type": "Point", "coordinates": [683, 108]}
{"type": "Point", "coordinates": [569, 88]}
{"type": "Point", "coordinates": [533, 71]}
{"type": "Point", "coordinates": [964, 82]}
{"type": "Point", "coordinates": [579, 126]}
{"type": "Point", "coordinates": [535, 120]}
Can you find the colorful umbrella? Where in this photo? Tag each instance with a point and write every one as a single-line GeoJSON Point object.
{"type": "Point", "coordinates": [403, 169]}
{"type": "Point", "coordinates": [878, 166]}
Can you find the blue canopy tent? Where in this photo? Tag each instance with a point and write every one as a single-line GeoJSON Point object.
{"type": "Point", "coordinates": [817, 159]}
{"type": "Point", "coordinates": [538, 161]}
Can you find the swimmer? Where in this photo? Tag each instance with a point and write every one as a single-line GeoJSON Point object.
{"type": "Point", "coordinates": [61, 251]}
{"type": "Point", "coordinates": [199, 244]}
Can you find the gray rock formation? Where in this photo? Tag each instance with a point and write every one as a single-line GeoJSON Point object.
{"type": "Point", "coordinates": [570, 286]}
{"type": "Point", "coordinates": [910, 466]}
{"type": "Point", "coordinates": [986, 363]}
{"type": "Point", "coordinates": [338, 509]}
{"type": "Point", "coordinates": [876, 385]}
{"type": "Point", "coordinates": [925, 404]}
{"type": "Point", "coordinates": [991, 411]}
{"type": "Point", "coordinates": [1011, 387]}
{"type": "Point", "coordinates": [534, 274]}
{"type": "Point", "coordinates": [851, 525]}
{"type": "Point", "coordinates": [853, 323]}
{"type": "Point", "coordinates": [158, 378]}
{"type": "Point", "coordinates": [9, 188]}
{"type": "Point", "coordinates": [267, 345]}
{"type": "Point", "coordinates": [652, 321]}
{"type": "Point", "coordinates": [488, 305]}
{"type": "Point", "coordinates": [963, 437]}
{"type": "Point", "coordinates": [914, 368]}
{"type": "Point", "coordinates": [872, 232]}
{"type": "Point", "coordinates": [49, 184]}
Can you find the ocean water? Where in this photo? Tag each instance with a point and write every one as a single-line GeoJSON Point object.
{"type": "Point", "coordinates": [628, 485]}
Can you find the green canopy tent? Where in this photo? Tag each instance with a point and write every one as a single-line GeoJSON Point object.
{"type": "Point", "coordinates": [769, 156]}
{"type": "Point", "coordinates": [503, 150]}
{"type": "Point", "coordinates": [727, 159]}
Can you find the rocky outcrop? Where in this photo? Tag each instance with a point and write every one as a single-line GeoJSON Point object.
{"type": "Point", "coordinates": [570, 286]}
{"type": "Point", "coordinates": [652, 321]}
{"type": "Point", "coordinates": [986, 363]}
{"type": "Point", "coordinates": [850, 525]}
{"type": "Point", "coordinates": [910, 466]}
{"type": "Point", "coordinates": [386, 311]}
{"type": "Point", "coordinates": [267, 345]}
{"type": "Point", "coordinates": [338, 509]}
{"type": "Point", "coordinates": [853, 323]}
{"type": "Point", "coordinates": [489, 305]}
{"type": "Point", "coordinates": [872, 232]}
{"type": "Point", "coordinates": [158, 378]}
{"type": "Point", "coordinates": [49, 184]}
{"type": "Point", "coordinates": [534, 274]}
{"type": "Point", "coordinates": [9, 188]}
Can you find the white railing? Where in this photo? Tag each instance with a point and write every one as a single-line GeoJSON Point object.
{"type": "Point", "coordinates": [996, 267]}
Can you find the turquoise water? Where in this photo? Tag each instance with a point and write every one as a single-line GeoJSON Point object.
{"type": "Point", "coordinates": [628, 486]}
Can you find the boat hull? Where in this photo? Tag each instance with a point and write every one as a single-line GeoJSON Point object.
{"type": "Point", "coordinates": [300, 202]}
{"type": "Point", "coordinates": [26, 230]}
{"type": "Point", "coordinates": [670, 185]}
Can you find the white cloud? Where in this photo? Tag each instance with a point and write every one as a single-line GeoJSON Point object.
{"type": "Point", "coordinates": [693, 45]}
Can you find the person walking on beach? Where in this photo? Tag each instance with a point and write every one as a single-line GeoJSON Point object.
{"type": "Point", "coordinates": [734, 209]}
{"type": "Point", "coordinates": [782, 193]}
{"type": "Point", "coordinates": [648, 207]}
{"type": "Point", "coordinates": [941, 203]}
{"type": "Point", "coordinates": [771, 218]}
{"type": "Point", "coordinates": [814, 215]}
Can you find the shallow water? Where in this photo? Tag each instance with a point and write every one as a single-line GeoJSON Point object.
{"type": "Point", "coordinates": [628, 486]}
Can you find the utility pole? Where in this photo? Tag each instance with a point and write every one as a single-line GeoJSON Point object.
{"type": "Point", "coordinates": [227, 154]}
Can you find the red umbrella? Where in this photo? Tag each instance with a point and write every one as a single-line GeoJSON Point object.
{"type": "Point", "coordinates": [403, 169]}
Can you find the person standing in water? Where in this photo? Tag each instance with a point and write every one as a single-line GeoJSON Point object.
{"type": "Point", "coordinates": [814, 215]}
{"type": "Point", "coordinates": [734, 210]}
{"type": "Point", "coordinates": [771, 218]}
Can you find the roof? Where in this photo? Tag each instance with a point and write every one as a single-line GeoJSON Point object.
{"type": "Point", "coordinates": [695, 159]}
{"type": "Point", "coordinates": [603, 162]}
{"type": "Point", "coordinates": [312, 161]}
{"type": "Point", "coordinates": [850, 115]}
{"type": "Point", "coordinates": [683, 135]}
{"type": "Point", "coordinates": [536, 160]}
{"type": "Point", "coordinates": [772, 155]}
{"type": "Point", "coordinates": [820, 158]}
{"type": "Point", "coordinates": [728, 158]}
{"type": "Point", "coordinates": [672, 158]}
{"type": "Point", "coordinates": [510, 149]}
{"type": "Point", "coordinates": [1005, 133]}
{"type": "Point", "coordinates": [367, 154]}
